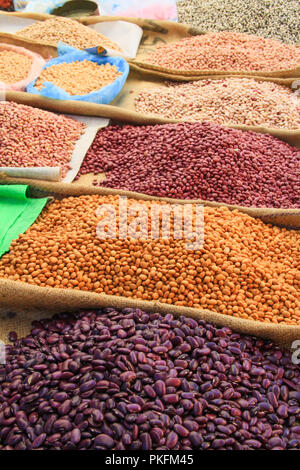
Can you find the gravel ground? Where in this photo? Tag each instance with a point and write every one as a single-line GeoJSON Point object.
{"type": "Point", "coordinates": [277, 19]}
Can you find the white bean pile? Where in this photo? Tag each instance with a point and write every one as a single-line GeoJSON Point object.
{"type": "Point", "coordinates": [278, 19]}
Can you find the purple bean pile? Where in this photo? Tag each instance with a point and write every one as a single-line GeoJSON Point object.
{"type": "Point", "coordinates": [197, 161]}
{"type": "Point", "coordinates": [132, 380]}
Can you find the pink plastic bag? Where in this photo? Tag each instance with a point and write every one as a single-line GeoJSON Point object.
{"type": "Point", "coordinates": [152, 9]}
{"type": "Point", "coordinates": [37, 64]}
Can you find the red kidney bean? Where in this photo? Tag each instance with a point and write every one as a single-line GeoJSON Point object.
{"type": "Point", "coordinates": [196, 161]}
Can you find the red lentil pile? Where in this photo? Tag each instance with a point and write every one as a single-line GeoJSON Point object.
{"type": "Point", "coordinates": [31, 137]}
{"type": "Point", "coordinates": [245, 268]}
{"type": "Point", "coordinates": [197, 161]}
{"type": "Point", "coordinates": [230, 101]}
{"type": "Point", "coordinates": [227, 51]}
{"type": "Point", "coordinates": [130, 380]}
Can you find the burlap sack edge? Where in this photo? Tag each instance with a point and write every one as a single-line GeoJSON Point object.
{"type": "Point", "coordinates": [286, 218]}
{"type": "Point", "coordinates": [194, 74]}
{"type": "Point", "coordinates": [16, 294]}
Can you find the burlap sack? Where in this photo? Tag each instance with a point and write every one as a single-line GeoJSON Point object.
{"type": "Point", "coordinates": [18, 296]}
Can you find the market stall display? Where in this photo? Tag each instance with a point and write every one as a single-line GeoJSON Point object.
{"type": "Point", "coordinates": [179, 235]}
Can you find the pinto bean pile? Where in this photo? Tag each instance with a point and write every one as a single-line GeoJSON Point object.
{"type": "Point", "coordinates": [245, 268]}
{"type": "Point", "coordinates": [197, 161]}
{"type": "Point", "coordinates": [79, 77]}
{"type": "Point", "coordinates": [31, 137]}
{"type": "Point", "coordinates": [14, 67]}
{"type": "Point", "coordinates": [131, 380]}
{"type": "Point", "coordinates": [230, 101]}
{"type": "Point", "coordinates": [227, 51]}
{"type": "Point", "coordinates": [69, 31]}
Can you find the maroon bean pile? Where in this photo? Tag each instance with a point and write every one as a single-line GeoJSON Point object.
{"type": "Point", "coordinates": [197, 161]}
{"type": "Point", "coordinates": [132, 380]}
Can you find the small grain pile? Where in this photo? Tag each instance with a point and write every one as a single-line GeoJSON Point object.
{"type": "Point", "coordinates": [14, 67]}
{"type": "Point", "coordinates": [245, 268]}
{"type": "Point", "coordinates": [197, 161]}
{"type": "Point", "coordinates": [31, 137]}
{"type": "Point", "coordinates": [276, 19]}
{"type": "Point", "coordinates": [66, 30]}
{"type": "Point", "coordinates": [130, 380]}
{"type": "Point", "coordinates": [79, 77]}
{"type": "Point", "coordinates": [229, 101]}
{"type": "Point", "coordinates": [226, 51]}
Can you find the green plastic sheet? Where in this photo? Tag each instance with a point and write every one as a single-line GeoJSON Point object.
{"type": "Point", "coordinates": [17, 213]}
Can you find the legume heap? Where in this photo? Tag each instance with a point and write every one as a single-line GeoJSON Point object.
{"type": "Point", "coordinates": [71, 32]}
{"type": "Point", "coordinates": [245, 269]}
{"type": "Point", "coordinates": [14, 67]}
{"type": "Point", "coordinates": [226, 51]}
{"type": "Point", "coordinates": [124, 378]}
{"type": "Point", "coordinates": [230, 101]}
{"type": "Point", "coordinates": [79, 78]}
{"type": "Point", "coordinates": [131, 380]}
{"type": "Point", "coordinates": [30, 137]}
{"type": "Point", "coordinates": [195, 161]}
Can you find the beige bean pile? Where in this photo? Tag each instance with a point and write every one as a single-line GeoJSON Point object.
{"type": "Point", "coordinates": [226, 51]}
{"type": "Point", "coordinates": [79, 77]}
{"type": "Point", "coordinates": [245, 268]}
{"type": "Point", "coordinates": [69, 31]}
{"type": "Point", "coordinates": [14, 67]}
{"type": "Point", "coordinates": [229, 101]}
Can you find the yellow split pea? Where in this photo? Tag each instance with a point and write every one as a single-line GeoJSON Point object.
{"type": "Point", "coordinates": [79, 77]}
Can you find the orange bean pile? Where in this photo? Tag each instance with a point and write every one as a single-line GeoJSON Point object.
{"type": "Point", "coordinates": [14, 67]}
{"type": "Point", "coordinates": [79, 77]}
{"type": "Point", "coordinates": [226, 51]}
{"type": "Point", "coordinates": [245, 268]}
{"type": "Point", "coordinates": [67, 30]}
